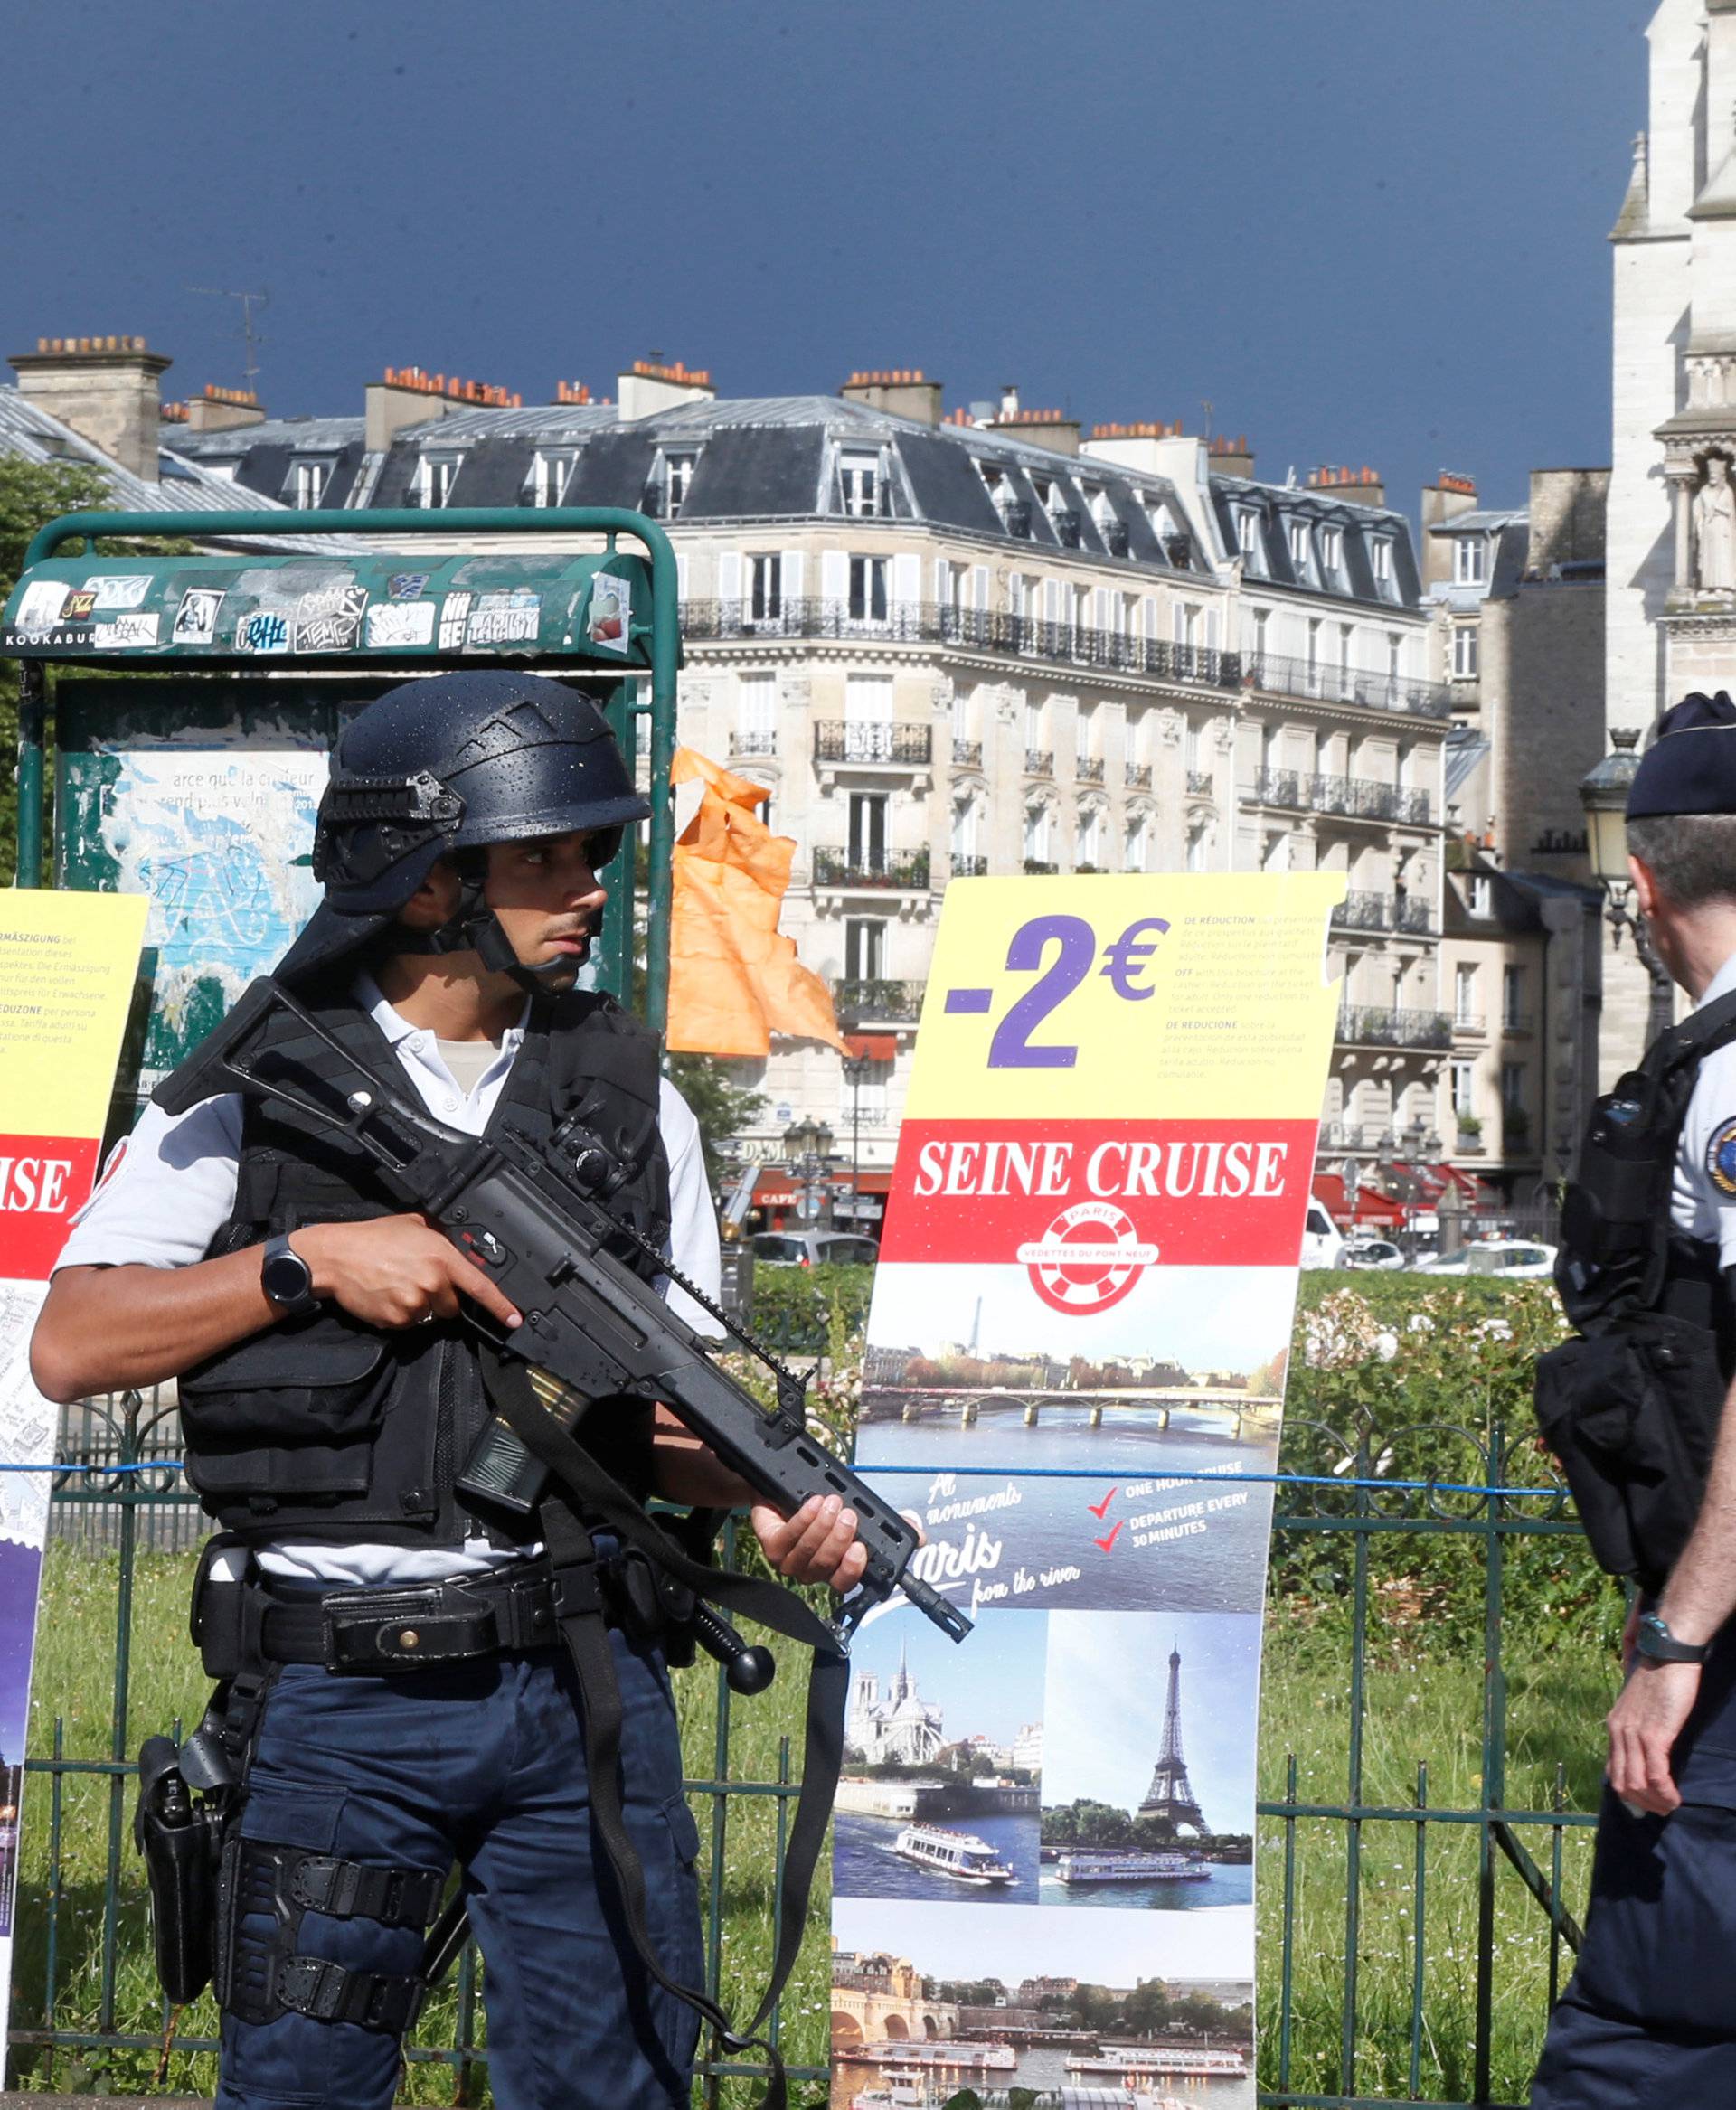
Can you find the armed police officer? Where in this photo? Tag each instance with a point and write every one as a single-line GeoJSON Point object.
{"type": "Point", "coordinates": [1642, 1412]}
{"type": "Point", "coordinates": [330, 1392]}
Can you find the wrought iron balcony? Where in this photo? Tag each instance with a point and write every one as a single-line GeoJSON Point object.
{"type": "Point", "coordinates": [852, 740]}
{"type": "Point", "coordinates": [888, 1003]}
{"type": "Point", "coordinates": [968, 867]}
{"type": "Point", "coordinates": [931, 621]}
{"type": "Point", "coordinates": [966, 754]}
{"type": "Point", "coordinates": [1137, 775]}
{"type": "Point", "coordinates": [1277, 787]}
{"type": "Point", "coordinates": [753, 743]}
{"type": "Point", "coordinates": [1363, 910]}
{"type": "Point", "coordinates": [1088, 768]}
{"type": "Point", "coordinates": [1038, 761]}
{"type": "Point", "coordinates": [1371, 1025]}
{"type": "Point", "coordinates": [1040, 868]}
{"type": "Point", "coordinates": [895, 869]}
{"type": "Point", "coordinates": [1284, 676]}
{"type": "Point", "coordinates": [1200, 784]}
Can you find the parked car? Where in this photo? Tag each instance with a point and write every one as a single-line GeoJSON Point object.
{"type": "Point", "coordinates": [1366, 1252]}
{"type": "Point", "coordinates": [813, 1249]}
{"type": "Point", "coordinates": [1322, 1240]}
{"type": "Point", "coordinates": [1513, 1259]}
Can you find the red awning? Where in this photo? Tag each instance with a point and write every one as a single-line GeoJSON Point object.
{"type": "Point", "coordinates": [1372, 1206]}
{"type": "Point", "coordinates": [1434, 1180]}
{"type": "Point", "coordinates": [875, 1047]}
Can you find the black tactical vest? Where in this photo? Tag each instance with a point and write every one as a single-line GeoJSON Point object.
{"type": "Point", "coordinates": [322, 1426]}
{"type": "Point", "coordinates": [1631, 1406]}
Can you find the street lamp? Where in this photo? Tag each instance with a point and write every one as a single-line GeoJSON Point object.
{"type": "Point", "coordinates": [807, 1145]}
{"type": "Point", "coordinates": [1604, 795]}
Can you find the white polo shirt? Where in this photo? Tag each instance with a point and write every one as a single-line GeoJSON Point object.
{"type": "Point", "coordinates": [1702, 1197]}
{"type": "Point", "coordinates": [168, 1188]}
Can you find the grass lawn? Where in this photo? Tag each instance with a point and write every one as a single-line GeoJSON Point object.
{"type": "Point", "coordinates": [1419, 1708]}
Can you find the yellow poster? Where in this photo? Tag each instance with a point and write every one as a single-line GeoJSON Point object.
{"type": "Point", "coordinates": [1075, 1373]}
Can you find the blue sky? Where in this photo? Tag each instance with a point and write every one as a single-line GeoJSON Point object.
{"type": "Point", "coordinates": [1364, 233]}
{"type": "Point", "coordinates": [990, 1685]}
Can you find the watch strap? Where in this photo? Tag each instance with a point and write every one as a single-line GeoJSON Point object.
{"type": "Point", "coordinates": [1655, 1641]}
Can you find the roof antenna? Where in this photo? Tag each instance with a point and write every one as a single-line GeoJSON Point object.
{"type": "Point", "coordinates": [252, 337]}
{"type": "Point", "coordinates": [1208, 406]}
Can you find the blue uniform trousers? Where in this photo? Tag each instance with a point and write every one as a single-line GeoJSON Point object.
{"type": "Point", "coordinates": [1649, 2017]}
{"type": "Point", "coordinates": [482, 1764]}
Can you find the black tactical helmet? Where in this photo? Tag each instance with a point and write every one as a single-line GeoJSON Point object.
{"type": "Point", "coordinates": [447, 765]}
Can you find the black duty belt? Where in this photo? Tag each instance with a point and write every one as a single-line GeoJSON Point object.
{"type": "Point", "coordinates": [420, 1624]}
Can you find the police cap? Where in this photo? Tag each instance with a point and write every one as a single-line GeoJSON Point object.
{"type": "Point", "coordinates": [1690, 767]}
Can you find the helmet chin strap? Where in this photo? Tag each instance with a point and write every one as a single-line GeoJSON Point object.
{"type": "Point", "coordinates": [473, 927]}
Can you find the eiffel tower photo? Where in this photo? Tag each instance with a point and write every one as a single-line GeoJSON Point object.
{"type": "Point", "coordinates": [1170, 1797]}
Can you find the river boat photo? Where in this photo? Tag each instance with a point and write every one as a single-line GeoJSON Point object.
{"type": "Point", "coordinates": [1166, 2062]}
{"type": "Point", "coordinates": [961, 1856]}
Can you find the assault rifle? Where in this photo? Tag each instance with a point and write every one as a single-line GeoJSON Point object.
{"type": "Point", "coordinates": [592, 1327]}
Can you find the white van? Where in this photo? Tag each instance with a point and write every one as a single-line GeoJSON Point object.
{"type": "Point", "coordinates": [1323, 1243]}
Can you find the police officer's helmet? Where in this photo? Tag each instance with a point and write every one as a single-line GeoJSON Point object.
{"type": "Point", "coordinates": [443, 767]}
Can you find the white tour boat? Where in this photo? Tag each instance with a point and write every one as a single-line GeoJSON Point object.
{"type": "Point", "coordinates": [1161, 1867]}
{"type": "Point", "coordinates": [1166, 2062]}
{"type": "Point", "coordinates": [961, 1855]}
{"type": "Point", "coordinates": [950, 2053]}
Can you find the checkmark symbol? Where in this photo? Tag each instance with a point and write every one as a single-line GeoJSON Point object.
{"type": "Point", "coordinates": [1097, 1508]}
{"type": "Point", "coordinates": [1113, 1535]}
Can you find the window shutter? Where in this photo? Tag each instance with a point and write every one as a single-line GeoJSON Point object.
{"type": "Point", "coordinates": [683, 567]}
{"type": "Point", "coordinates": [1052, 600]}
{"type": "Point", "coordinates": [943, 582]}
{"type": "Point", "coordinates": [1148, 616]}
{"type": "Point", "coordinates": [834, 575]}
{"type": "Point", "coordinates": [979, 587]}
{"type": "Point", "coordinates": [1099, 608]}
{"type": "Point", "coordinates": [729, 575]}
{"type": "Point", "coordinates": [907, 577]}
{"type": "Point", "coordinates": [792, 577]}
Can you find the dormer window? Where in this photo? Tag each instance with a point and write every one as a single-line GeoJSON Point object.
{"type": "Point", "coordinates": [1332, 548]}
{"type": "Point", "coordinates": [548, 474]}
{"type": "Point", "coordinates": [1300, 543]}
{"type": "Point", "coordinates": [679, 473]}
{"type": "Point", "coordinates": [435, 476]}
{"type": "Point", "coordinates": [1381, 551]}
{"type": "Point", "coordinates": [1470, 560]}
{"type": "Point", "coordinates": [861, 485]}
{"type": "Point", "coordinates": [1246, 532]}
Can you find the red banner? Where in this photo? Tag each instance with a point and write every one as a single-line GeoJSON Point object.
{"type": "Point", "coordinates": [44, 1178]}
{"type": "Point", "coordinates": [1195, 1194]}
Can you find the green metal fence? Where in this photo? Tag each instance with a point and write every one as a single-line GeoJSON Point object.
{"type": "Point", "coordinates": [1354, 1489]}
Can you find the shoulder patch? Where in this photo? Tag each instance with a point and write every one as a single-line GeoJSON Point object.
{"type": "Point", "coordinates": [1720, 1158]}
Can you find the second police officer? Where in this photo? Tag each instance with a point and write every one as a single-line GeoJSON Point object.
{"type": "Point", "coordinates": [1638, 1409]}
{"type": "Point", "coordinates": [330, 1392]}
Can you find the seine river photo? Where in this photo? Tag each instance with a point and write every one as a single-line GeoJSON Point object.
{"type": "Point", "coordinates": [863, 1864]}
{"type": "Point", "coordinates": [1216, 1883]}
{"type": "Point", "coordinates": [1042, 2068]}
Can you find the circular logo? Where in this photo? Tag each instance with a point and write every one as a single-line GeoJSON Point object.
{"type": "Point", "coordinates": [1087, 1259]}
{"type": "Point", "coordinates": [1720, 1158]}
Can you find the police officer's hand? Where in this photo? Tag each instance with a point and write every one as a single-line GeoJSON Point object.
{"type": "Point", "coordinates": [1644, 1724]}
{"type": "Point", "coordinates": [396, 1271]}
{"type": "Point", "coordinates": [817, 1544]}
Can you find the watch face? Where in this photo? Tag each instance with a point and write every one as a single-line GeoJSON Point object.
{"type": "Point", "coordinates": [285, 1276]}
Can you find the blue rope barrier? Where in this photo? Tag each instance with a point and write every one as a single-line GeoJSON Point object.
{"type": "Point", "coordinates": [995, 1472]}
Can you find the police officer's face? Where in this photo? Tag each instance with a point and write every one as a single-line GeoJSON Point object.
{"type": "Point", "coordinates": [547, 897]}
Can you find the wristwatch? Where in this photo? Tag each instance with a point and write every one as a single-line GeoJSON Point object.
{"type": "Point", "coordinates": [287, 1278]}
{"type": "Point", "coordinates": [1655, 1641]}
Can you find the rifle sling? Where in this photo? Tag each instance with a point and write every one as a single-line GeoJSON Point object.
{"type": "Point", "coordinates": [603, 1500]}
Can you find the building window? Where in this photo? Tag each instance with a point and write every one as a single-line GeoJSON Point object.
{"type": "Point", "coordinates": [1380, 551]}
{"type": "Point", "coordinates": [1033, 724]}
{"type": "Point", "coordinates": [1133, 853]}
{"type": "Point", "coordinates": [1477, 893]}
{"type": "Point", "coordinates": [1246, 532]}
{"type": "Point", "coordinates": [1464, 994]}
{"type": "Point", "coordinates": [1085, 732]}
{"type": "Point", "coordinates": [1465, 643]}
{"type": "Point", "coordinates": [679, 473]}
{"type": "Point", "coordinates": [1195, 858]}
{"type": "Point", "coordinates": [766, 588]}
{"type": "Point", "coordinates": [964, 817]}
{"type": "Point", "coordinates": [1036, 833]}
{"type": "Point", "coordinates": [1394, 654]}
{"type": "Point", "coordinates": [309, 483]}
{"type": "Point", "coordinates": [868, 831]}
{"type": "Point", "coordinates": [1262, 617]}
{"type": "Point", "coordinates": [1300, 543]}
{"type": "Point", "coordinates": [1470, 560]}
{"type": "Point", "coordinates": [867, 589]}
{"type": "Point", "coordinates": [1090, 838]}
{"type": "Point", "coordinates": [865, 949]}
{"type": "Point", "coordinates": [1513, 1087]}
{"type": "Point", "coordinates": [859, 474]}
{"type": "Point", "coordinates": [756, 715]}
{"type": "Point", "coordinates": [1332, 547]}
{"type": "Point", "coordinates": [548, 474]}
{"type": "Point", "coordinates": [435, 477]}
{"type": "Point", "coordinates": [1464, 1088]}
{"type": "Point", "coordinates": [1512, 998]}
